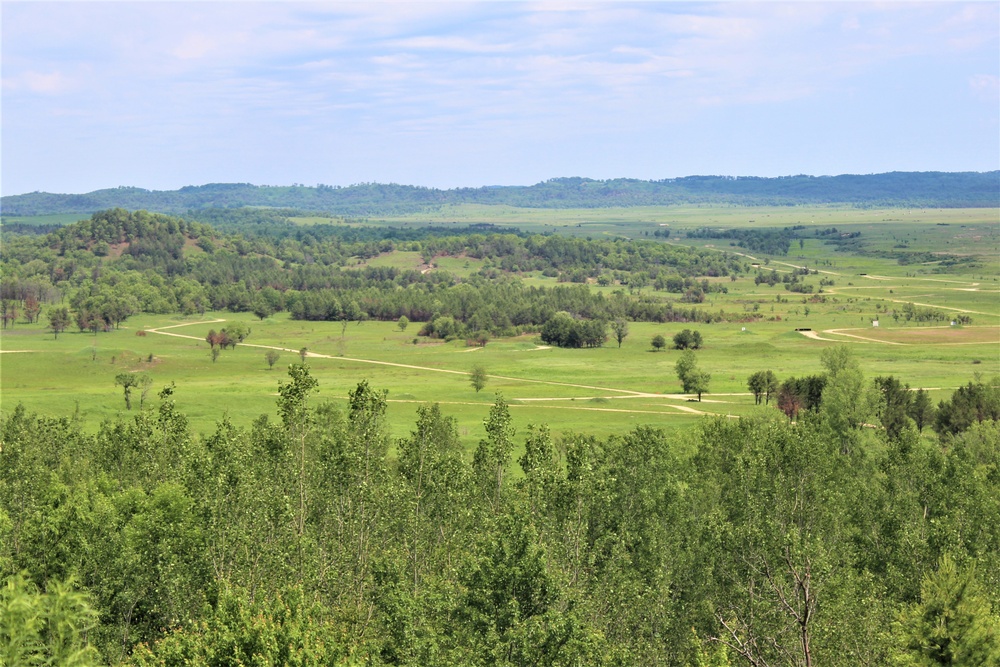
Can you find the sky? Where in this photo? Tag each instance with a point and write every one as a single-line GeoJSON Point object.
{"type": "Point", "coordinates": [160, 95]}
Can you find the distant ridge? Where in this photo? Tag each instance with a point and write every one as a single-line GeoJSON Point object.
{"type": "Point", "coordinates": [915, 189]}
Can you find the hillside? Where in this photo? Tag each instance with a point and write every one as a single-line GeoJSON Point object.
{"type": "Point", "coordinates": [916, 189]}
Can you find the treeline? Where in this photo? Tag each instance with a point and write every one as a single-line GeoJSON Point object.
{"type": "Point", "coordinates": [914, 189]}
{"type": "Point", "coordinates": [775, 241]}
{"type": "Point", "coordinates": [305, 541]}
{"type": "Point", "coordinates": [281, 223]}
{"type": "Point", "coordinates": [118, 263]}
{"type": "Point", "coordinates": [770, 241]}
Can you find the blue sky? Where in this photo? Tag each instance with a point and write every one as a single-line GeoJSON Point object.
{"type": "Point", "coordinates": [445, 94]}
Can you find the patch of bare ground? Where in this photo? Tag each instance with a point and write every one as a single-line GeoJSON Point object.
{"type": "Point", "coordinates": [967, 335]}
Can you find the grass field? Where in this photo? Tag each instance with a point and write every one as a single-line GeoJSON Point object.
{"type": "Point", "coordinates": [600, 391]}
{"type": "Point", "coordinates": [54, 219]}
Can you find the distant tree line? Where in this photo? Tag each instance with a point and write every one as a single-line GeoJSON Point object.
{"type": "Point", "coordinates": [923, 189]}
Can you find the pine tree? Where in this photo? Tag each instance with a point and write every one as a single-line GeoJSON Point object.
{"type": "Point", "coordinates": [952, 624]}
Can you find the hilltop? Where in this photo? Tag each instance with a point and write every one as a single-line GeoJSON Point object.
{"type": "Point", "coordinates": [906, 189]}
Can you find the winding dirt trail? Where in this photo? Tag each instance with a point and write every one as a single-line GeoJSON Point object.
{"type": "Point", "coordinates": [867, 339]}
{"type": "Point", "coordinates": [624, 393]}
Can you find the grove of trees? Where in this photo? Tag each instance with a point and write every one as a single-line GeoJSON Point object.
{"type": "Point", "coordinates": [316, 539]}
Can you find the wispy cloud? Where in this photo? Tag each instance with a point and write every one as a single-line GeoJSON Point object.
{"type": "Point", "coordinates": [386, 86]}
{"type": "Point", "coordinates": [986, 86]}
{"type": "Point", "coordinates": [43, 83]}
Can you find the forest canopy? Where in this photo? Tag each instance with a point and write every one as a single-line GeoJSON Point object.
{"type": "Point", "coordinates": [305, 541]}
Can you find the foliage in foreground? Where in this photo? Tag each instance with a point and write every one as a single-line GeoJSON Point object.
{"type": "Point", "coordinates": [303, 542]}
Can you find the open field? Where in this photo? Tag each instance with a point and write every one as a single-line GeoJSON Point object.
{"type": "Point", "coordinates": [958, 230]}
{"type": "Point", "coordinates": [601, 391]}
{"type": "Point", "coordinates": [924, 335]}
{"type": "Point", "coordinates": [54, 219]}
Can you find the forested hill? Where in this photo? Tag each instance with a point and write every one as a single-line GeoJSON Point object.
{"type": "Point", "coordinates": [923, 189]}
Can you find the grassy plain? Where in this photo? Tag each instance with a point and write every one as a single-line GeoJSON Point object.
{"type": "Point", "coordinates": [600, 391]}
{"type": "Point", "coordinates": [53, 219]}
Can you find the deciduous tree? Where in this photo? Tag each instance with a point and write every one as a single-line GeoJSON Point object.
{"type": "Point", "coordinates": [921, 409]}
{"type": "Point", "coordinates": [493, 454]}
{"type": "Point", "coordinates": [619, 328]}
{"type": "Point", "coordinates": [478, 378]}
{"type": "Point", "coordinates": [59, 320]}
{"type": "Point", "coordinates": [128, 382]}
{"type": "Point", "coordinates": [693, 380]}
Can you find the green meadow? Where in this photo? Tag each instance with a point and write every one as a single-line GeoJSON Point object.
{"type": "Point", "coordinates": [600, 391]}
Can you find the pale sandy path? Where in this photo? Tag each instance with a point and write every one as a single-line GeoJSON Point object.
{"type": "Point", "coordinates": [519, 404]}
{"type": "Point", "coordinates": [815, 336]}
{"type": "Point", "coordinates": [317, 355]}
{"type": "Point", "coordinates": [840, 332]}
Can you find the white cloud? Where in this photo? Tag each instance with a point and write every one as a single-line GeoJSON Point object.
{"type": "Point", "coordinates": [541, 73]}
{"type": "Point", "coordinates": [43, 83]}
{"type": "Point", "coordinates": [194, 46]}
{"type": "Point", "coordinates": [986, 86]}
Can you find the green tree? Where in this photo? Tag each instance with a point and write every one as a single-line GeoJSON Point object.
{"type": "Point", "coordinates": [696, 382]}
{"type": "Point", "coordinates": [512, 609]}
{"type": "Point", "coordinates": [952, 624]}
{"type": "Point", "coordinates": [129, 381]}
{"type": "Point", "coordinates": [773, 495]}
{"type": "Point", "coordinates": [293, 407]}
{"type": "Point", "coordinates": [430, 462]}
{"type": "Point", "coordinates": [59, 320]}
{"type": "Point", "coordinates": [541, 471]}
{"type": "Point", "coordinates": [403, 322]}
{"type": "Point", "coordinates": [693, 380]}
{"type": "Point", "coordinates": [478, 378]}
{"type": "Point", "coordinates": [236, 333]}
{"type": "Point", "coordinates": [894, 405]}
{"type": "Point", "coordinates": [685, 339]}
{"type": "Point", "coordinates": [848, 402]}
{"type": "Point", "coordinates": [762, 384]}
{"type": "Point", "coordinates": [261, 307]}
{"type": "Point", "coordinates": [288, 628]}
{"type": "Point", "coordinates": [974, 403]}
{"type": "Point", "coordinates": [271, 357]}
{"type": "Point", "coordinates": [47, 628]}
{"type": "Point", "coordinates": [921, 409]}
{"type": "Point", "coordinates": [494, 452]}
{"type": "Point", "coordinates": [770, 386]}
{"type": "Point", "coordinates": [686, 363]}
{"type": "Point", "coordinates": [619, 328]}
{"type": "Point", "coordinates": [658, 342]}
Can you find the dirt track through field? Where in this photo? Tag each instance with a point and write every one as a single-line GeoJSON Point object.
{"type": "Point", "coordinates": [868, 339]}
{"type": "Point", "coordinates": [626, 393]}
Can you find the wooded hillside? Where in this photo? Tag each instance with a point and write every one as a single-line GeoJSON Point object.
{"type": "Point", "coordinates": [915, 189]}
